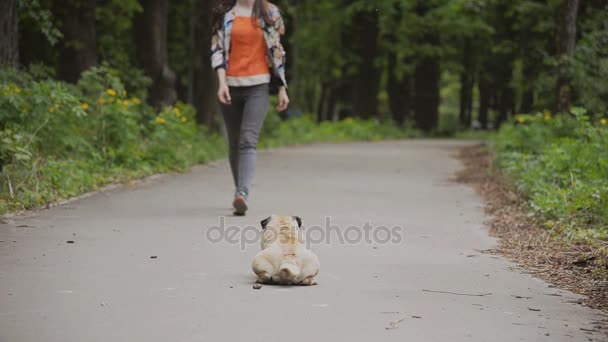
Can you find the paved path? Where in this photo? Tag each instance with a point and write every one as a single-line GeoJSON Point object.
{"type": "Point", "coordinates": [106, 287]}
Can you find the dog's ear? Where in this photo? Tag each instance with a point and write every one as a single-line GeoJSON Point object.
{"type": "Point", "coordinates": [299, 220]}
{"type": "Point", "coordinates": [264, 222]}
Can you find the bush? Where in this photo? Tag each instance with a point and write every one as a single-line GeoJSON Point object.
{"type": "Point", "coordinates": [59, 140]}
{"type": "Point", "coordinates": [561, 164]}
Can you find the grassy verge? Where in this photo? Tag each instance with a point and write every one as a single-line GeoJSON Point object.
{"type": "Point", "coordinates": [545, 180]}
{"type": "Point", "coordinates": [575, 265]}
{"type": "Point", "coordinates": [59, 141]}
{"type": "Point", "coordinates": [561, 165]}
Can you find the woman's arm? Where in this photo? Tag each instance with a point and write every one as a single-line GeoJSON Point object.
{"type": "Point", "coordinates": [223, 92]}
{"type": "Point", "coordinates": [279, 55]}
{"type": "Point", "coordinates": [218, 62]}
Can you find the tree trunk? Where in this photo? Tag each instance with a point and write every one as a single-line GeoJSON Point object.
{"type": "Point", "coordinates": [484, 103]}
{"type": "Point", "coordinates": [466, 85]}
{"type": "Point", "coordinates": [367, 80]}
{"type": "Point", "coordinates": [399, 92]}
{"type": "Point", "coordinates": [151, 40]}
{"type": "Point", "coordinates": [426, 103]}
{"type": "Point", "coordinates": [203, 82]}
{"type": "Point", "coordinates": [399, 89]}
{"type": "Point", "coordinates": [9, 34]}
{"type": "Point", "coordinates": [426, 77]}
{"type": "Point", "coordinates": [566, 43]}
{"type": "Point", "coordinates": [78, 48]}
{"type": "Point", "coordinates": [527, 101]}
{"type": "Point", "coordinates": [331, 105]}
{"type": "Point", "coordinates": [505, 105]}
{"type": "Point", "coordinates": [322, 103]}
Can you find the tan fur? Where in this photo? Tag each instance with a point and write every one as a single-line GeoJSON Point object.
{"type": "Point", "coordinates": [284, 258]}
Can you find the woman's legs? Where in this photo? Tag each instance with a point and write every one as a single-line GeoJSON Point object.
{"type": "Point", "coordinates": [233, 114]}
{"type": "Point", "coordinates": [254, 112]}
{"type": "Point", "coordinates": [244, 119]}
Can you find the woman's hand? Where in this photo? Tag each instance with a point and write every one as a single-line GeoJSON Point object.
{"type": "Point", "coordinates": [223, 94]}
{"type": "Point", "coordinates": [283, 100]}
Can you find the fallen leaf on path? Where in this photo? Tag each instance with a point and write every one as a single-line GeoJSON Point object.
{"type": "Point", "coordinates": [520, 297]}
{"type": "Point", "coordinates": [395, 324]}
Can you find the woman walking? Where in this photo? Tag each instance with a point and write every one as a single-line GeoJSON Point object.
{"type": "Point", "coordinates": [247, 54]}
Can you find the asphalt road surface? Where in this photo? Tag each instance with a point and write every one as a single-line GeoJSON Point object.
{"type": "Point", "coordinates": [144, 263]}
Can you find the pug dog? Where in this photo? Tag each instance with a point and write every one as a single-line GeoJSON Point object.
{"type": "Point", "coordinates": [284, 258]}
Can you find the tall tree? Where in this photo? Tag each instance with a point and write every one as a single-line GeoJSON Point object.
{"type": "Point", "coordinates": [427, 72]}
{"type": "Point", "coordinates": [367, 75]}
{"type": "Point", "coordinates": [9, 34]}
{"type": "Point", "coordinates": [151, 40]}
{"type": "Point", "coordinates": [398, 83]}
{"type": "Point", "coordinates": [467, 82]}
{"type": "Point", "coordinates": [202, 78]}
{"type": "Point", "coordinates": [566, 43]}
{"type": "Point", "coordinates": [78, 48]}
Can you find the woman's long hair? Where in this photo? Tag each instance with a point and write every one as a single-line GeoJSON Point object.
{"type": "Point", "coordinates": [260, 10]}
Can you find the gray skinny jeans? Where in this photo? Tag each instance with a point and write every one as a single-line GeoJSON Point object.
{"type": "Point", "coordinates": [244, 119]}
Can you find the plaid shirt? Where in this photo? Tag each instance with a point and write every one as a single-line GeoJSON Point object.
{"type": "Point", "coordinates": [220, 43]}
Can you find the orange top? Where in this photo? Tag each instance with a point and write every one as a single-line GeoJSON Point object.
{"type": "Point", "coordinates": [247, 54]}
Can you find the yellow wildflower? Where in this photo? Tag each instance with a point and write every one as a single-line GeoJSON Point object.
{"type": "Point", "coordinates": [111, 92]}
{"type": "Point", "coordinates": [118, 101]}
{"type": "Point", "coordinates": [51, 109]}
{"type": "Point", "coordinates": [84, 106]}
{"type": "Point", "coordinates": [184, 119]}
{"type": "Point", "coordinates": [521, 119]}
{"type": "Point", "coordinates": [124, 93]}
{"type": "Point", "coordinates": [17, 90]}
{"type": "Point", "coordinates": [136, 100]}
{"type": "Point", "coordinates": [126, 102]}
{"type": "Point", "coordinates": [101, 100]}
{"type": "Point", "coordinates": [604, 122]}
{"type": "Point", "coordinates": [160, 120]}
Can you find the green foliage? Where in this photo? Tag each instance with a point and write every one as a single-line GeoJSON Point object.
{"type": "Point", "coordinates": [59, 140]}
{"type": "Point", "coordinates": [590, 65]}
{"type": "Point", "coordinates": [32, 11]}
{"type": "Point", "coordinates": [561, 164]}
{"type": "Point", "coordinates": [114, 27]}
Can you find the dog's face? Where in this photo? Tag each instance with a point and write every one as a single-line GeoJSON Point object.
{"type": "Point", "coordinates": [277, 219]}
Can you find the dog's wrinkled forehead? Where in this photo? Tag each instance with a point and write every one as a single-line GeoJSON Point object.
{"type": "Point", "coordinates": [277, 218]}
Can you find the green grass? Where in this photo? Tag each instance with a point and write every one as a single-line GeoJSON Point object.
{"type": "Point", "coordinates": [561, 165]}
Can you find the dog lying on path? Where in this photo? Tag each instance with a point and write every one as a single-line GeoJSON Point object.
{"type": "Point", "coordinates": [284, 258]}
